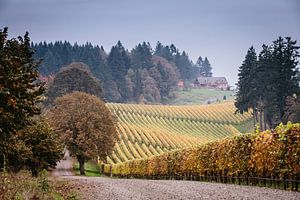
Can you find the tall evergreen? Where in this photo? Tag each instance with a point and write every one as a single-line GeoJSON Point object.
{"type": "Point", "coordinates": [184, 65]}
{"type": "Point", "coordinates": [285, 60]}
{"type": "Point", "coordinates": [206, 68]}
{"type": "Point", "coordinates": [245, 95]}
{"type": "Point", "coordinates": [119, 62]}
{"type": "Point", "coordinates": [266, 85]}
{"type": "Point", "coordinates": [199, 62]}
{"type": "Point", "coordinates": [141, 56]}
{"type": "Point", "coordinates": [164, 51]}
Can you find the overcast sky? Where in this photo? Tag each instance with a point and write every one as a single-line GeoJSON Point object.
{"type": "Point", "coordinates": [222, 30]}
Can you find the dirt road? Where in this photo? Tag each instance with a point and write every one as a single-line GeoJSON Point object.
{"type": "Point", "coordinates": [134, 189]}
{"type": "Point", "coordinates": [64, 167]}
{"type": "Point", "coordinates": [91, 188]}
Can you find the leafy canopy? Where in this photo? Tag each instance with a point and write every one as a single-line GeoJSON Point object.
{"type": "Point", "coordinates": [85, 125]}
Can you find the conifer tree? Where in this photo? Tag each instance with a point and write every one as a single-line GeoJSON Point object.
{"type": "Point", "coordinates": [284, 73]}
{"type": "Point", "coordinates": [245, 95]}
{"type": "Point", "coordinates": [119, 62]}
{"type": "Point", "coordinates": [206, 68]}
{"type": "Point", "coordinates": [265, 85]}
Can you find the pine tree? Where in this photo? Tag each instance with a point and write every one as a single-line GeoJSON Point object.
{"type": "Point", "coordinates": [264, 77]}
{"type": "Point", "coordinates": [206, 68]}
{"type": "Point", "coordinates": [141, 56]}
{"type": "Point", "coordinates": [245, 95]}
{"type": "Point", "coordinates": [184, 65]}
{"type": "Point", "coordinates": [284, 61]}
{"type": "Point", "coordinates": [265, 85]}
{"type": "Point", "coordinates": [119, 63]}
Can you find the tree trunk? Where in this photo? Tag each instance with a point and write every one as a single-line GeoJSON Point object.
{"type": "Point", "coordinates": [255, 117]}
{"type": "Point", "coordinates": [34, 172]}
{"type": "Point", "coordinates": [260, 120]}
{"type": "Point", "coordinates": [254, 122]}
{"type": "Point", "coordinates": [81, 165]}
{"type": "Point", "coordinates": [34, 169]}
{"type": "Point", "coordinates": [265, 120]}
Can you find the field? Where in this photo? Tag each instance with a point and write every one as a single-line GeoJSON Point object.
{"type": "Point", "coordinates": [149, 130]}
{"type": "Point", "coordinates": [201, 96]}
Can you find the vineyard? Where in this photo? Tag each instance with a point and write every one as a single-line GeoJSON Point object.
{"type": "Point", "coordinates": [267, 156]}
{"type": "Point", "coordinates": [150, 130]}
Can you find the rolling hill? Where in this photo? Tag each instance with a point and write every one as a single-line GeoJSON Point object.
{"type": "Point", "coordinates": [149, 130]}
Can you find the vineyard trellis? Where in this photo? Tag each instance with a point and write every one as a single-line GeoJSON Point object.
{"type": "Point", "coordinates": [150, 130]}
{"type": "Point", "coordinates": [264, 159]}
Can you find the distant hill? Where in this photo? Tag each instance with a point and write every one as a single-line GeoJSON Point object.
{"type": "Point", "coordinates": [196, 96]}
{"type": "Point", "coordinates": [142, 75]}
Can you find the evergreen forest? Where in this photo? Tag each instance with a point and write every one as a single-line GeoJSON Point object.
{"type": "Point", "coordinates": [142, 75]}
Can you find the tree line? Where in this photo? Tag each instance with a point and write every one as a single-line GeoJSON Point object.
{"type": "Point", "coordinates": [268, 84]}
{"type": "Point", "coordinates": [141, 75]}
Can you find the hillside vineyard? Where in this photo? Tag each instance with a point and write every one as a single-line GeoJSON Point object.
{"type": "Point", "coordinates": [149, 130]}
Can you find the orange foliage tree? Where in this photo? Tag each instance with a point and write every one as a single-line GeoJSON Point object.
{"type": "Point", "coordinates": [85, 125]}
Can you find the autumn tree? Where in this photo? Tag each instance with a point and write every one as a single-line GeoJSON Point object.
{"type": "Point", "coordinates": [20, 92]}
{"type": "Point", "coordinates": [74, 77]}
{"type": "Point", "coordinates": [44, 145]}
{"type": "Point", "coordinates": [85, 125]}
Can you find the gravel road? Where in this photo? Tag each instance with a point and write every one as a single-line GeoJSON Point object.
{"type": "Point", "coordinates": [91, 188]}
{"type": "Point", "coordinates": [136, 189]}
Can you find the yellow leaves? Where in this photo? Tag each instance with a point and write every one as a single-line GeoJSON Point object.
{"type": "Point", "coordinates": [264, 154]}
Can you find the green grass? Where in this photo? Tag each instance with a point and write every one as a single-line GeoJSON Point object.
{"type": "Point", "coordinates": [91, 168]}
{"type": "Point", "coordinates": [201, 96]}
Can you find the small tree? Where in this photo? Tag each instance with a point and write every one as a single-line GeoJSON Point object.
{"type": "Point", "coordinates": [45, 146]}
{"type": "Point", "coordinates": [85, 124]}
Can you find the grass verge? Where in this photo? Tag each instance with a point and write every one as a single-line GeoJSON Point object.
{"type": "Point", "coordinates": [91, 168]}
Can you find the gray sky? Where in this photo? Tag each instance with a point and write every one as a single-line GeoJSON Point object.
{"type": "Point", "coordinates": [222, 30]}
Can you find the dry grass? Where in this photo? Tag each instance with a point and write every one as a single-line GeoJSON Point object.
{"type": "Point", "coordinates": [22, 186]}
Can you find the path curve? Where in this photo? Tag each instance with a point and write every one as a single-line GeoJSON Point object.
{"type": "Point", "coordinates": [64, 167]}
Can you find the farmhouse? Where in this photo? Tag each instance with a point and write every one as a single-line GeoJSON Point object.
{"type": "Point", "coordinates": [212, 82]}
